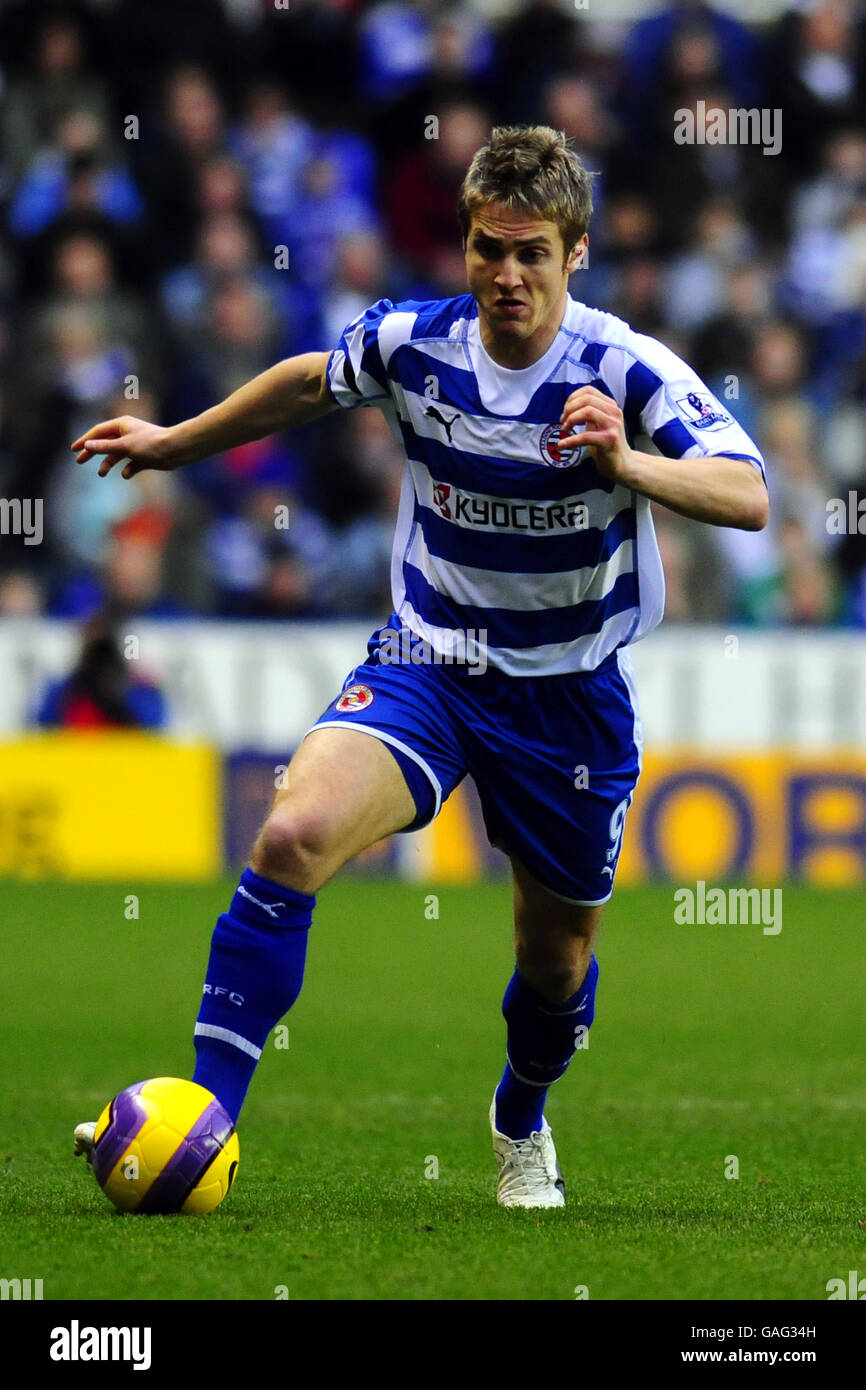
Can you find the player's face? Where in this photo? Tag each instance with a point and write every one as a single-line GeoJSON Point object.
{"type": "Point", "coordinates": [518, 272]}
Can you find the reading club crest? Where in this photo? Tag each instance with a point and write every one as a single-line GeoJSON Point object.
{"type": "Point", "coordinates": [552, 454]}
{"type": "Point", "coordinates": [355, 698]}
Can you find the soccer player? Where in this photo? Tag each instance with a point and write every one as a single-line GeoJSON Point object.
{"type": "Point", "coordinates": [524, 565]}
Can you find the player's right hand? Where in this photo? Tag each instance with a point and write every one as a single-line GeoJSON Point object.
{"type": "Point", "coordinates": [137, 442]}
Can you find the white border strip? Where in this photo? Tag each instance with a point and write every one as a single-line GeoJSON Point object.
{"type": "Point", "coordinates": [395, 743]}
{"type": "Point", "coordinates": [210, 1030]}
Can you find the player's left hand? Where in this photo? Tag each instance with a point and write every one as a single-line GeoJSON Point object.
{"type": "Point", "coordinates": [591, 418]}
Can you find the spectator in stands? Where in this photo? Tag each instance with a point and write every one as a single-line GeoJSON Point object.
{"type": "Point", "coordinates": [312, 46]}
{"type": "Point", "coordinates": [422, 198]}
{"type": "Point", "coordinates": [358, 280]}
{"type": "Point", "coordinates": [54, 85]}
{"type": "Point", "coordinates": [228, 250]}
{"type": "Point", "coordinates": [191, 131]}
{"type": "Point", "coordinates": [696, 279]}
{"type": "Point", "coordinates": [800, 488]}
{"type": "Point", "coordinates": [780, 360]}
{"type": "Point", "coordinates": [723, 345]}
{"type": "Point", "coordinates": [817, 76]}
{"type": "Point", "coordinates": [687, 44]}
{"type": "Point", "coordinates": [77, 174]}
{"type": "Point", "coordinates": [460, 67]}
{"type": "Point", "coordinates": [329, 206]}
{"type": "Point", "coordinates": [103, 691]}
{"type": "Point", "coordinates": [21, 595]}
{"type": "Point", "coordinates": [272, 557]}
{"type": "Point", "coordinates": [84, 278]}
{"type": "Point", "coordinates": [394, 47]}
{"type": "Point", "coordinates": [807, 594]}
{"type": "Point", "coordinates": [277, 179]}
{"type": "Point", "coordinates": [273, 143]}
{"type": "Point", "coordinates": [540, 40]}
{"type": "Point", "coordinates": [636, 292]}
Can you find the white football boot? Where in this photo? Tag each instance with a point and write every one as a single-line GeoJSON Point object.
{"type": "Point", "coordinates": [83, 1139]}
{"type": "Point", "coordinates": [529, 1174]}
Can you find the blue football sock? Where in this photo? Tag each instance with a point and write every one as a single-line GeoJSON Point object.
{"type": "Point", "coordinates": [254, 976]}
{"type": "Point", "coordinates": [541, 1043]}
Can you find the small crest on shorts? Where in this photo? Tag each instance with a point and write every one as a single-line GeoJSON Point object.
{"type": "Point", "coordinates": [356, 697]}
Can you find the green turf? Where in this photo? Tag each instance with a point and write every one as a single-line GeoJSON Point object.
{"type": "Point", "coordinates": [709, 1042]}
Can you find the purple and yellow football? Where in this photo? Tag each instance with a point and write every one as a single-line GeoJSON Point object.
{"type": "Point", "coordinates": [165, 1145]}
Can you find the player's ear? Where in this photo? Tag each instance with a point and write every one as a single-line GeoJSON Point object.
{"type": "Point", "coordinates": [579, 254]}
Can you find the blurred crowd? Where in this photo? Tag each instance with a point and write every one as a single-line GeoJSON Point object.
{"type": "Point", "coordinates": [192, 189]}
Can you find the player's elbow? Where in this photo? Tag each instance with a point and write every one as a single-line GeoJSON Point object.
{"type": "Point", "coordinates": [753, 502]}
{"type": "Point", "coordinates": [756, 510]}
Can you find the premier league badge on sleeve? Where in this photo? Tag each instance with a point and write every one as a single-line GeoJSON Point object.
{"type": "Point", "coordinates": [702, 412]}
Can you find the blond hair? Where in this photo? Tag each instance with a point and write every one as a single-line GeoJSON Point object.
{"type": "Point", "coordinates": [534, 169]}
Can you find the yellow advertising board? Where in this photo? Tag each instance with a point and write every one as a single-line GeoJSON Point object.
{"type": "Point", "coordinates": [124, 805]}
{"type": "Point", "coordinates": [757, 818]}
{"type": "Point", "coordinates": [108, 806]}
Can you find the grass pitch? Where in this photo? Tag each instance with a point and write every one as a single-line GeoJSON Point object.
{"type": "Point", "coordinates": [710, 1042]}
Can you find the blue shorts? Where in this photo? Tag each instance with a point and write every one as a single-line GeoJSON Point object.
{"type": "Point", "coordinates": [555, 758]}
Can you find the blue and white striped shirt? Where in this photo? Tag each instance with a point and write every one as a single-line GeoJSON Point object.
{"type": "Point", "coordinates": [498, 531]}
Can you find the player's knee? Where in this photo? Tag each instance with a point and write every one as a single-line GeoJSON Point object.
{"type": "Point", "coordinates": [555, 974]}
{"type": "Point", "coordinates": [294, 847]}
